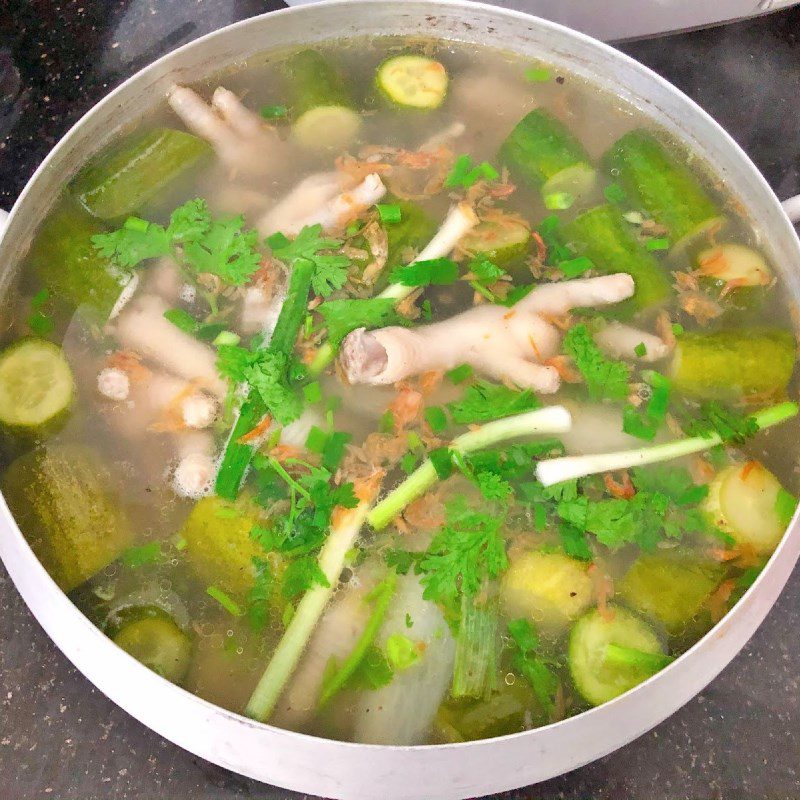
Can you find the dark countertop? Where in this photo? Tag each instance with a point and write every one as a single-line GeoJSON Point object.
{"type": "Point", "coordinates": [60, 738]}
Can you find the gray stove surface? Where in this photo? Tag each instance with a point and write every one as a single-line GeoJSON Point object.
{"type": "Point", "coordinates": [60, 738]}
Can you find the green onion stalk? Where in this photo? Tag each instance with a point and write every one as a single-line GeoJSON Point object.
{"type": "Point", "coordinates": [556, 470]}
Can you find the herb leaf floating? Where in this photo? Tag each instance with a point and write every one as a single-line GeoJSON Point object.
{"type": "Point", "coordinates": [221, 247]}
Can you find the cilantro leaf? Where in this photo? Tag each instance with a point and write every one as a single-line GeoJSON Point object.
{"type": "Point", "coordinates": [301, 575]}
{"type": "Point", "coordinates": [532, 667]}
{"type": "Point", "coordinates": [485, 400]}
{"type": "Point", "coordinates": [330, 270]}
{"type": "Point", "coordinates": [466, 550]}
{"type": "Point", "coordinates": [644, 423]}
{"type": "Point", "coordinates": [224, 250]}
{"type": "Point", "coordinates": [221, 247]}
{"type": "Point", "coordinates": [343, 316]}
{"type": "Point", "coordinates": [434, 272]}
{"type": "Point", "coordinates": [731, 426]}
{"type": "Point", "coordinates": [136, 241]}
{"type": "Point", "coordinates": [604, 378]}
{"type": "Point", "coordinates": [675, 482]}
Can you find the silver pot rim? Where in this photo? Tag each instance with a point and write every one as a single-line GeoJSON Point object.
{"type": "Point", "coordinates": [329, 767]}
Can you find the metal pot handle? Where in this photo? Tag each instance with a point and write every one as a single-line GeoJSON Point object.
{"type": "Point", "coordinates": [792, 208]}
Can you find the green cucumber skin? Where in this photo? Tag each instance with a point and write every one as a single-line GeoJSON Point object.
{"type": "Point", "coordinates": [732, 364]}
{"type": "Point", "coordinates": [61, 498]}
{"type": "Point", "coordinates": [313, 82]}
{"type": "Point", "coordinates": [656, 182]}
{"type": "Point", "coordinates": [539, 147]}
{"type": "Point", "coordinates": [68, 266]}
{"type": "Point", "coordinates": [602, 235]}
{"type": "Point", "coordinates": [117, 183]}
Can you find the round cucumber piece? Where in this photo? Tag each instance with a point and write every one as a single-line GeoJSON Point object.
{"type": "Point", "coordinates": [326, 127]}
{"type": "Point", "coordinates": [36, 384]}
{"type": "Point", "coordinates": [597, 680]}
{"type": "Point", "coordinates": [551, 589]}
{"type": "Point", "coordinates": [413, 81]}
{"type": "Point", "coordinates": [736, 264]}
{"type": "Point", "coordinates": [501, 240]}
{"type": "Point", "coordinates": [159, 644]}
{"type": "Point", "coordinates": [577, 181]}
{"type": "Point", "coordinates": [742, 501]}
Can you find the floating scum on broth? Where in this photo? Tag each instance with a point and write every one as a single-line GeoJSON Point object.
{"type": "Point", "coordinates": [400, 393]}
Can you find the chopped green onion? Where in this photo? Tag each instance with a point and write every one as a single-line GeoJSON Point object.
{"type": "Point", "coordinates": [436, 418]}
{"type": "Point", "coordinates": [316, 440]}
{"type": "Point", "coordinates": [401, 652]}
{"type": "Point", "coordinates": [640, 350]}
{"type": "Point", "coordinates": [312, 392]}
{"type": "Point", "coordinates": [677, 328]}
{"type": "Point", "coordinates": [389, 212]}
{"type": "Point", "coordinates": [538, 74]}
{"type": "Point", "coordinates": [141, 554]}
{"type": "Point", "coordinates": [659, 243]}
{"type": "Point", "coordinates": [225, 600]}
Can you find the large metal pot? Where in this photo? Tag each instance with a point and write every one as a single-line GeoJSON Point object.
{"type": "Point", "coordinates": [337, 769]}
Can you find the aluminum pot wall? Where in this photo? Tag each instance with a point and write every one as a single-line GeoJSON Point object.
{"type": "Point", "coordinates": [361, 772]}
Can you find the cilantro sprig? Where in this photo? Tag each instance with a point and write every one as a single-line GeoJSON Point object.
{"type": "Point", "coordinates": [605, 379]}
{"type": "Point", "coordinates": [195, 239]}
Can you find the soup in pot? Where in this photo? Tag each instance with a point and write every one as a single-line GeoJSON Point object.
{"type": "Point", "coordinates": [399, 392]}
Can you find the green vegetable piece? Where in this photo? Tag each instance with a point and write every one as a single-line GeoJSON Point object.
{"type": "Point", "coordinates": [36, 387]}
{"type": "Point", "coordinates": [746, 503]}
{"type": "Point", "coordinates": [401, 652]}
{"type": "Point", "coordinates": [500, 239]}
{"type": "Point", "coordinates": [158, 643]}
{"type": "Point", "coordinates": [412, 233]}
{"type": "Point", "coordinates": [603, 236]}
{"type": "Point", "coordinates": [660, 183]}
{"type": "Point", "coordinates": [324, 116]}
{"type": "Point", "coordinates": [543, 153]}
{"type": "Point", "coordinates": [61, 497]}
{"type": "Point", "coordinates": [550, 589]}
{"type": "Point", "coordinates": [670, 588]}
{"type": "Point", "coordinates": [412, 81]}
{"type": "Point", "coordinates": [476, 660]}
{"type": "Point", "coordinates": [67, 264]}
{"type": "Point", "coordinates": [218, 544]}
{"type": "Point", "coordinates": [597, 679]}
{"type": "Point", "coordinates": [433, 272]}
{"type": "Point", "coordinates": [122, 180]}
{"type": "Point", "coordinates": [734, 364]}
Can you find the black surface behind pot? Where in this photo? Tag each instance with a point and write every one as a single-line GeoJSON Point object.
{"type": "Point", "coordinates": [60, 738]}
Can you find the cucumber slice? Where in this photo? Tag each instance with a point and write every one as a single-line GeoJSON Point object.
{"type": "Point", "coordinates": [543, 153]}
{"type": "Point", "coordinates": [36, 386]}
{"type": "Point", "coordinates": [159, 644]}
{"type": "Point", "coordinates": [576, 181]}
{"type": "Point", "coordinates": [500, 239]}
{"type": "Point", "coordinates": [119, 181]}
{"type": "Point", "coordinates": [323, 112]}
{"type": "Point", "coordinates": [597, 680]}
{"type": "Point", "coordinates": [655, 181]}
{"type": "Point", "coordinates": [551, 589]}
{"type": "Point", "coordinates": [732, 364]}
{"type": "Point", "coordinates": [735, 264]}
{"type": "Point", "coordinates": [670, 588]}
{"type": "Point", "coordinates": [743, 502]}
{"type": "Point", "coordinates": [62, 499]}
{"type": "Point", "coordinates": [602, 235]}
{"type": "Point", "coordinates": [413, 81]}
{"type": "Point", "coordinates": [326, 128]}
{"type": "Point", "coordinates": [68, 266]}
